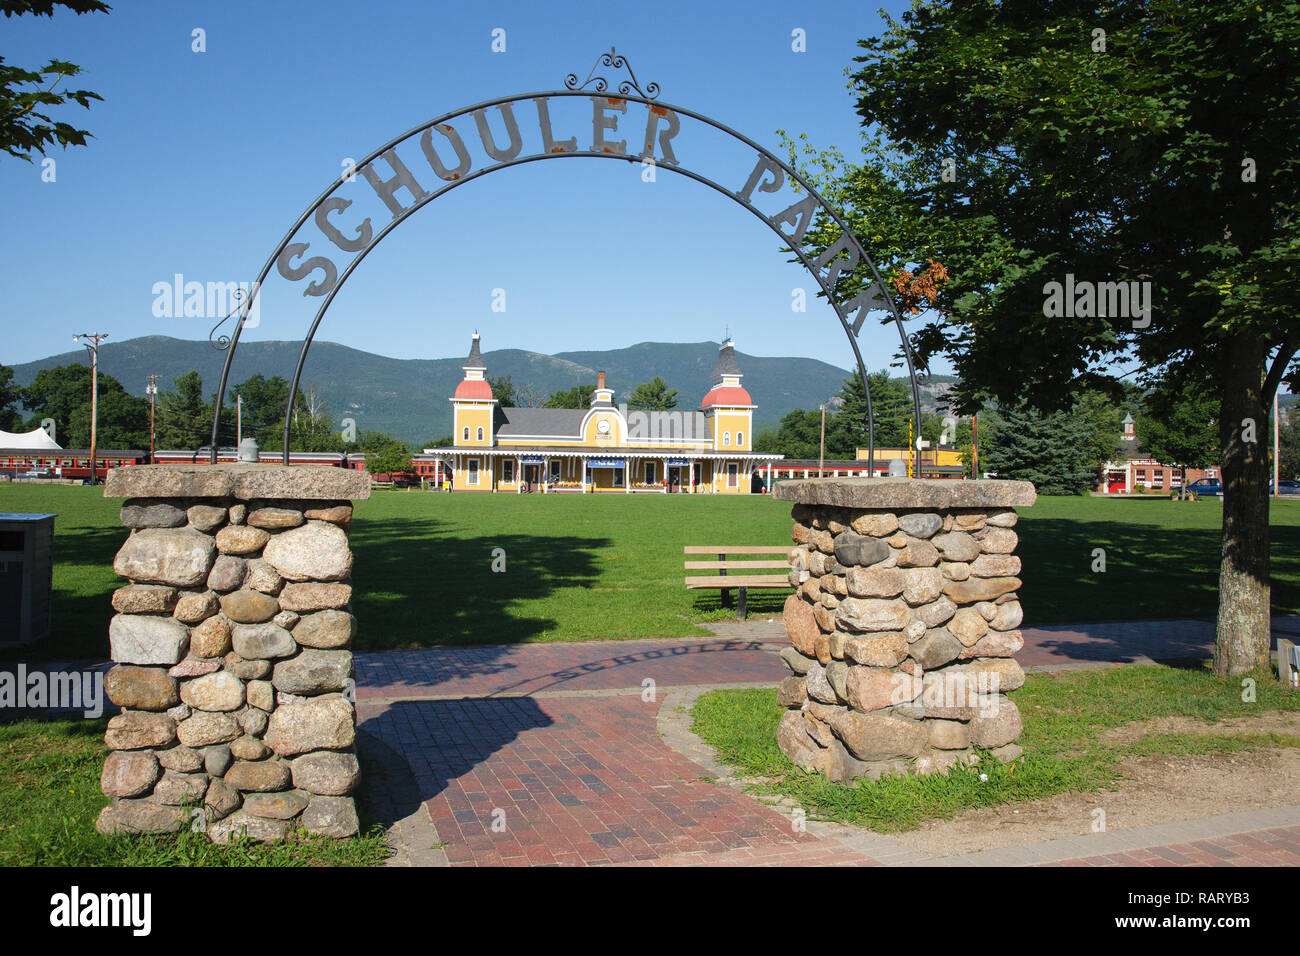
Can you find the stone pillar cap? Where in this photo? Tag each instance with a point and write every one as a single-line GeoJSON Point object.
{"type": "Point", "coordinates": [881, 494]}
{"type": "Point", "coordinates": [244, 481]}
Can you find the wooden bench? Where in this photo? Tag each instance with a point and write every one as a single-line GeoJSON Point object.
{"type": "Point", "coordinates": [741, 582]}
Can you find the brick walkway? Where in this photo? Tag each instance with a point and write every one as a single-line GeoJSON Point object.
{"type": "Point", "coordinates": [555, 754]}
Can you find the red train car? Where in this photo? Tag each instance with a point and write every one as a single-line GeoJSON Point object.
{"type": "Point", "coordinates": [67, 463]}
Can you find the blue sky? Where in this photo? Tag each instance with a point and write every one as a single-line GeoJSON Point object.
{"type": "Point", "coordinates": [201, 161]}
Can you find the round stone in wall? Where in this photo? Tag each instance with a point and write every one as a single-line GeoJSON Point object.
{"type": "Point", "coordinates": [248, 606]}
{"type": "Point", "coordinates": [326, 772]}
{"type": "Point", "coordinates": [316, 551]}
{"type": "Point", "coordinates": [140, 688]}
{"type": "Point", "coordinates": [146, 639]}
{"type": "Point", "coordinates": [323, 723]}
{"type": "Point", "coordinates": [180, 557]}
{"type": "Point", "coordinates": [262, 641]}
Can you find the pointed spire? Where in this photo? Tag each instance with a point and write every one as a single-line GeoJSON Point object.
{"type": "Point", "coordinates": [725, 387]}
{"type": "Point", "coordinates": [475, 358]}
{"type": "Point", "coordinates": [727, 365]}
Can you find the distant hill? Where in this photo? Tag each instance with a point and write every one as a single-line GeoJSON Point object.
{"type": "Point", "coordinates": [408, 397]}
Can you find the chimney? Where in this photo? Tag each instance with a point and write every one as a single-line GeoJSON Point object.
{"type": "Point", "coordinates": [600, 379]}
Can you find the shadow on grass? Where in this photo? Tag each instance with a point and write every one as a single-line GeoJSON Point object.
{"type": "Point", "coordinates": [1151, 571]}
{"type": "Point", "coordinates": [416, 587]}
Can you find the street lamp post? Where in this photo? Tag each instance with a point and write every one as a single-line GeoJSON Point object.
{"type": "Point", "coordinates": [91, 341]}
{"type": "Point", "coordinates": [152, 391]}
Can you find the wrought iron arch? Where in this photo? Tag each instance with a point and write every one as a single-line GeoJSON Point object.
{"type": "Point", "coordinates": [629, 92]}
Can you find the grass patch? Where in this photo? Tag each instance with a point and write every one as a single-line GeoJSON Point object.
{"type": "Point", "coordinates": [1065, 717]}
{"type": "Point", "coordinates": [602, 567]}
{"type": "Point", "coordinates": [50, 797]}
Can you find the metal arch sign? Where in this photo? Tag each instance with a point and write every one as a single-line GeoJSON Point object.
{"type": "Point", "coordinates": [345, 223]}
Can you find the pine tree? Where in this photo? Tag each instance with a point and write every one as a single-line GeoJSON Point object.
{"type": "Point", "coordinates": [183, 419]}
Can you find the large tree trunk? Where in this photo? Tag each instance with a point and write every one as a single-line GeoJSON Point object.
{"type": "Point", "coordinates": [1243, 633]}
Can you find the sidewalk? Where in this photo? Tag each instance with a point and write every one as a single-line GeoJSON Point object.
{"type": "Point", "coordinates": [581, 754]}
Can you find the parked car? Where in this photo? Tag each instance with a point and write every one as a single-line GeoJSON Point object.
{"type": "Point", "coordinates": [39, 473]}
{"type": "Point", "coordinates": [1206, 486]}
{"type": "Point", "coordinates": [1286, 486]}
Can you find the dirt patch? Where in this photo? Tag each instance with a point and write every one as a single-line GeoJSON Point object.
{"type": "Point", "coordinates": [1155, 789]}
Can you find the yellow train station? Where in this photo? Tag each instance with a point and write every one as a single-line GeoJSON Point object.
{"type": "Point", "coordinates": [604, 448]}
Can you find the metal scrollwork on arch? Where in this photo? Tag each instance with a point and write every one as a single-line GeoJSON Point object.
{"type": "Point", "coordinates": [321, 261]}
{"type": "Point", "coordinates": [614, 61]}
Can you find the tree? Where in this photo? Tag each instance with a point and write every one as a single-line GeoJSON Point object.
{"type": "Point", "coordinates": [313, 427]}
{"type": "Point", "coordinates": [262, 408]}
{"type": "Point", "coordinates": [1177, 425]}
{"type": "Point", "coordinates": [891, 408]}
{"type": "Point", "coordinates": [183, 419]}
{"type": "Point", "coordinates": [10, 396]}
{"type": "Point", "coordinates": [1054, 450]}
{"type": "Point", "coordinates": [766, 441]}
{"type": "Point", "coordinates": [63, 394]}
{"type": "Point", "coordinates": [503, 390]}
{"type": "Point", "coordinates": [798, 436]}
{"type": "Point", "coordinates": [1031, 147]}
{"type": "Point", "coordinates": [577, 397]}
{"type": "Point", "coordinates": [23, 129]}
{"type": "Point", "coordinates": [528, 396]}
{"type": "Point", "coordinates": [653, 396]}
{"type": "Point", "coordinates": [385, 455]}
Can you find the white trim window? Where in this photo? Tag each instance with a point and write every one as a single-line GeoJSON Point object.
{"type": "Point", "coordinates": [465, 435]}
{"type": "Point", "coordinates": [471, 469]}
{"type": "Point", "coordinates": [480, 433]}
{"type": "Point", "coordinates": [726, 439]}
{"type": "Point", "coordinates": [733, 475]}
{"type": "Point", "coordinates": [740, 439]}
{"type": "Point", "coordinates": [508, 471]}
{"type": "Point", "coordinates": [649, 472]}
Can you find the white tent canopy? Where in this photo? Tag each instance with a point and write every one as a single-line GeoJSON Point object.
{"type": "Point", "coordinates": [36, 438]}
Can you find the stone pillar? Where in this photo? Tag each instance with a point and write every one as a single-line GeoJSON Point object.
{"type": "Point", "coordinates": [232, 650]}
{"type": "Point", "coordinates": [904, 624]}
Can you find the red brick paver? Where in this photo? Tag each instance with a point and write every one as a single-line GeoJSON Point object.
{"type": "Point", "coordinates": [546, 754]}
{"type": "Point", "coordinates": [516, 669]}
{"type": "Point", "coordinates": [1279, 846]}
{"type": "Point", "coordinates": [539, 781]}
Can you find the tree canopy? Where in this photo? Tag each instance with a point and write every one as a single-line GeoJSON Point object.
{"type": "Point", "coordinates": [63, 394]}
{"type": "Point", "coordinates": [653, 396]}
{"type": "Point", "coordinates": [503, 390]}
{"type": "Point", "coordinates": [1178, 425]}
{"type": "Point", "coordinates": [1146, 141]}
{"type": "Point", "coordinates": [24, 93]}
{"type": "Point", "coordinates": [10, 396]}
{"type": "Point", "coordinates": [577, 397]}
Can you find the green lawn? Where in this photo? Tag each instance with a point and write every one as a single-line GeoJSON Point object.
{"type": "Point", "coordinates": [591, 567]}
{"type": "Point", "coordinates": [1065, 716]}
{"type": "Point", "coordinates": [50, 797]}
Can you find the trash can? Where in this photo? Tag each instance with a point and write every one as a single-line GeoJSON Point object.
{"type": "Point", "coordinates": [26, 577]}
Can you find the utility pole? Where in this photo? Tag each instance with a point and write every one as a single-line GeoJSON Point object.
{"type": "Point", "coordinates": [821, 461]}
{"type": "Point", "coordinates": [91, 342]}
{"type": "Point", "coordinates": [152, 391]}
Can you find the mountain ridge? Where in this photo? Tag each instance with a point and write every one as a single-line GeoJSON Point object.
{"type": "Point", "coordinates": [409, 397]}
